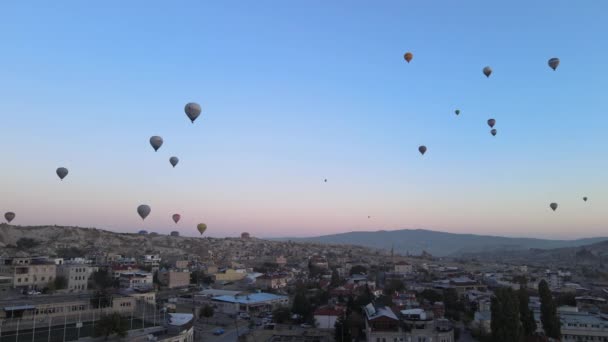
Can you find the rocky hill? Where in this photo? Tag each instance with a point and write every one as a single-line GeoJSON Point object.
{"type": "Point", "coordinates": [415, 241]}
{"type": "Point", "coordinates": [52, 240]}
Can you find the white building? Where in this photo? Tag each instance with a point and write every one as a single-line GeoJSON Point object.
{"type": "Point", "coordinates": [326, 317]}
{"type": "Point", "coordinates": [137, 280]}
{"type": "Point", "coordinates": [250, 303]}
{"type": "Point", "coordinates": [77, 275]}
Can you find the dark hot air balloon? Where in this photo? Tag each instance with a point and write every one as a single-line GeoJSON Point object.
{"type": "Point", "coordinates": [156, 142]}
{"type": "Point", "coordinates": [585, 199]}
{"type": "Point", "coordinates": [422, 149]}
{"type": "Point", "coordinates": [62, 172]}
{"type": "Point", "coordinates": [457, 111]}
{"type": "Point", "coordinates": [493, 132]}
{"type": "Point", "coordinates": [201, 227]}
{"type": "Point", "coordinates": [176, 217]}
{"type": "Point", "coordinates": [143, 211]}
{"type": "Point", "coordinates": [553, 206]}
{"type": "Point", "coordinates": [553, 63]}
{"type": "Point", "coordinates": [193, 110]}
{"type": "Point", "coordinates": [487, 71]}
{"type": "Point", "coordinates": [491, 123]}
{"type": "Point", "coordinates": [9, 216]}
{"type": "Point", "coordinates": [173, 161]}
{"type": "Point", "coordinates": [408, 56]}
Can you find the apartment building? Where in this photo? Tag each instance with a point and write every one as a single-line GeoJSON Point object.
{"type": "Point", "coordinates": [174, 278]}
{"type": "Point", "coordinates": [136, 280]}
{"type": "Point", "coordinates": [77, 275]}
{"type": "Point", "coordinates": [30, 272]}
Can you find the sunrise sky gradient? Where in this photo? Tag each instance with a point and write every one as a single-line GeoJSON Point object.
{"type": "Point", "coordinates": [294, 92]}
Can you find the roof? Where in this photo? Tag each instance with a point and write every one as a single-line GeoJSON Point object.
{"type": "Point", "coordinates": [373, 312]}
{"type": "Point", "coordinates": [250, 298]}
{"type": "Point", "coordinates": [328, 312]}
{"type": "Point", "coordinates": [180, 319]}
{"type": "Point", "coordinates": [19, 307]}
{"type": "Point", "coordinates": [215, 292]}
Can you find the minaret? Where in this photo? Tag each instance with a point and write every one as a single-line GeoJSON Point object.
{"type": "Point", "coordinates": [393, 253]}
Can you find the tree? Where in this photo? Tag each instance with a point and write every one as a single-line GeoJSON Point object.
{"type": "Point", "coordinates": [102, 279]}
{"type": "Point", "coordinates": [335, 279]}
{"type": "Point", "coordinates": [526, 315]}
{"type": "Point", "coordinates": [101, 299]}
{"type": "Point", "coordinates": [342, 331]}
{"type": "Point", "coordinates": [358, 269]}
{"type": "Point", "coordinates": [566, 299]}
{"type": "Point", "coordinates": [548, 311]}
{"type": "Point", "coordinates": [431, 295]}
{"type": "Point", "coordinates": [27, 243]}
{"type": "Point", "coordinates": [112, 324]}
{"type": "Point", "coordinates": [60, 283]}
{"type": "Point", "coordinates": [395, 285]}
{"type": "Point", "coordinates": [206, 311]}
{"type": "Point", "coordinates": [506, 326]}
{"type": "Point", "coordinates": [364, 298]}
{"type": "Point", "coordinates": [301, 305]}
{"type": "Point", "coordinates": [356, 324]}
{"type": "Point", "coordinates": [281, 315]}
{"type": "Point", "coordinates": [70, 252]}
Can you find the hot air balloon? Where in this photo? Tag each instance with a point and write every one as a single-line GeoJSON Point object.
{"type": "Point", "coordinates": [487, 71]}
{"type": "Point", "coordinates": [553, 63]}
{"type": "Point", "coordinates": [193, 110]}
{"type": "Point", "coordinates": [9, 216]}
{"type": "Point", "coordinates": [457, 111]}
{"type": "Point", "coordinates": [173, 161]}
{"type": "Point", "coordinates": [156, 142]}
{"type": "Point", "coordinates": [201, 227]}
{"type": "Point", "coordinates": [585, 199]}
{"type": "Point", "coordinates": [143, 211]}
{"type": "Point", "coordinates": [326, 180]}
{"type": "Point", "coordinates": [408, 56]}
{"type": "Point", "coordinates": [62, 172]}
{"type": "Point", "coordinates": [176, 217]}
{"type": "Point", "coordinates": [491, 123]}
{"type": "Point", "coordinates": [369, 217]}
{"type": "Point", "coordinates": [493, 132]}
{"type": "Point", "coordinates": [422, 149]}
{"type": "Point", "coordinates": [553, 206]}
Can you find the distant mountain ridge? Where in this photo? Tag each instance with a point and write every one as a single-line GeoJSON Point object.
{"type": "Point", "coordinates": [414, 241]}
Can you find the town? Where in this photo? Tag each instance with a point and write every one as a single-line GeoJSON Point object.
{"type": "Point", "coordinates": [250, 289]}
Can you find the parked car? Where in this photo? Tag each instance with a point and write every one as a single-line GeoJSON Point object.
{"type": "Point", "coordinates": [218, 332]}
{"type": "Point", "coordinates": [244, 315]}
{"type": "Point", "coordinates": [305, 325]}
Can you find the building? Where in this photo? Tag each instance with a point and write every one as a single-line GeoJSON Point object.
{"type": "Point", "coordinates": [326, 317]}
{"type": "Point", "coordinates": [173, 278]}
{"type": "Point", "coordinates": [136, 280]}
{"type": "Point", "coordinates": [230, 275]}
{"type": "Point", "coordinates": [403, 268]}
{"type": "Point", "coordinates": [181, 264]}
{"type": "Point", "coordinates": [152, 260]}
{"type": "Point", "coordinates": [579, 326]}
{"type": "Point", "coordinates": [381, 324]}
{"type": "Point", "coordinates": [250, 303]}
{"type": "Point", "coordinates": [29, 273]}
{"type": "Point", "coordinates": [77, 275]}
{"type": "Point", "coordinates": [245, 235]}
{"type": "Point", "coordinates": [281, 261]}
{"type": "Point", "coordinates": [271, 281]}
{"type": "Point", "coordinates": [318, 262]}
{"type": "Point", "coordinates": [147, 295]}
{"type": "Point", "coordinates": [175, 233]}
{"type": "Point", "coordinates": [6, 283]}
{"type": "Point", "coordinates": [422, 327]}
{"type": "Point", "coordinates": [464, 284]}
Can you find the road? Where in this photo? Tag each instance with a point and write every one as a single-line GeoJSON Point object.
{"type": "Point", "coordinates": [228, 336]}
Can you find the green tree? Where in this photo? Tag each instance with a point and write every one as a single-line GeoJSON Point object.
{"type": "Point", "coordinates": [70, 252]}
{"type": "Point", "coordinates": [526, 315]}
{"type": "Point", "coordinates": [506, 326]}
{"type": "Point", "coordinates": [335, 279]}
{"type": "Point", "coordinates": [568, 299]}
{"type": "Point", "coordinates": [356, 324]}
{"type": "Point", "coordinates": [101, 299]}
{"type": "Point", "coordinates": [548, 311]}
{"type": "Point", "coordinates": [281, 315]}
{"type": "Point", "coordinates": [206, 311]}
{"type": "Point", "coordinates": [342, 331]}
{"type": "Point", "coordinates": [27, 243]}
{"type": "Point", "coordinates": [60, 283]}
{"type": "Point", "coordinates": [358, 269]}
{"type": "Point", "coordinates": [112, 324]}
{"type": "Point", "coordinates": [102, 279]}
{"type": "Point", "coordinates": [431, 296]}
{"type": "Point", "coordinates": [364, 298]}
{"type": "Point", "coordinates": [301, 305]}
{"type": "Point", "coordinates": [395, 285]}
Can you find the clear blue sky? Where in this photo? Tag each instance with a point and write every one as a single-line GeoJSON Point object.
{"type": "Point", "coordinates": [294, 92]}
